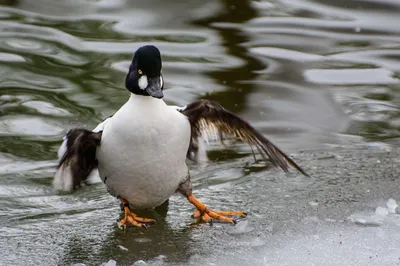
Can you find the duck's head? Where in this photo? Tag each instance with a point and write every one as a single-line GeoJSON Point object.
{"type": "Point", "coordinates": [144, 76]}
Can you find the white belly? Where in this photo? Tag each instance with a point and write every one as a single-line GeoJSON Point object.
{"type": "Point", "coordinates": [142, 156]}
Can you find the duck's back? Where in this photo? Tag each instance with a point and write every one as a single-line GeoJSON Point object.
{"type": "Point", "coordinates": [143, 151]}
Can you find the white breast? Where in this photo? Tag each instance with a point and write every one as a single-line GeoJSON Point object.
{"type": "Point", "coordinates": [142, 156]}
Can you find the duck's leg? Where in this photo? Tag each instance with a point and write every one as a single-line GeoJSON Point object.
{"type": "Point", "coordinates": [203, 212]}
{"type": "Point", "coordinates": [131, 219]}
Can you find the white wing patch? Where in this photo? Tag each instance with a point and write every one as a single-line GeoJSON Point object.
{"type": "Point", "coordinates": [209, 131]}
{"type": "Point", "coordinates": [143, 82]}
{"type": "Point", "coordinates": [201, 155]}
{"type": "Point", "coordinates": [63, 148]}
{"type": "Point", "coordinates": [63, 178]}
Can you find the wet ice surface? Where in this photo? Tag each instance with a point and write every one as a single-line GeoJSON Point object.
{"type": "Point", "coordinates": [343, 228]}
{"type": "Point", "coordinates": [336, 217]}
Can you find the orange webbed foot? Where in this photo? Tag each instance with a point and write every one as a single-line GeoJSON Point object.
{"type": "Point", "coordinates": [132, 219]}
{"type": "Point", "coordinates": [205, 214]}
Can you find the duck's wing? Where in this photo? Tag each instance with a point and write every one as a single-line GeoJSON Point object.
{"type": "Point", "coordinates": [63, 147]}
{"type": "Point", "coordinates": [77, 157]}
{"type": "Point", "coordinates": [210, 120]}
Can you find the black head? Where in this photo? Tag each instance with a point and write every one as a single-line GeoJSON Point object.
{"type": "Point", "coordinates": [144, 76]}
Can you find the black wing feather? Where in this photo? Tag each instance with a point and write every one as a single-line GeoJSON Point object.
{"type": "Point", "coordinates": [79, 160]}
{"type": "Point", "coordinates": [208, 117]}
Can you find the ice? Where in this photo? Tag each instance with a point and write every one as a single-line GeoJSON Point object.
{"type": "Point", "coordinates": [109, 263]}
{"type": "Point", "coordinates": [257, 242]}
{"type": "Point", "coordinates": [392, 206]}
{"type": "Point", "coordinates": [366, 237]}
{"type": "Point", "coordinates": [123, 248]}
{"type": "Point", "coordinates": [139, 263]}
{"type": "Point", "coordinates": [381, 211]}
{"type": "Point", "coordinates": [375, 219]}
{"type": "Point", "coordinates": [313, 203]}
{"type": "Point", "coordinates": [241, 227]}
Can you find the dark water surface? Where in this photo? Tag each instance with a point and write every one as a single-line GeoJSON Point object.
{"type": "Point", "coordinates": [320, 78]}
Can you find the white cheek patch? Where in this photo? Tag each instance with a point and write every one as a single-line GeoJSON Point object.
{"type": "Point", "coordinates": [143, 82]}
{"type": "Point", "coordinates": [161, 82]}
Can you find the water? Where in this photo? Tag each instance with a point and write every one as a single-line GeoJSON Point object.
{"type": "Point", "coordinates": [319, 78]}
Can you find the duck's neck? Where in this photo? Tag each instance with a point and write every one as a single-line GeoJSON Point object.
{"type": "Point", "coordinates": [144, 100]}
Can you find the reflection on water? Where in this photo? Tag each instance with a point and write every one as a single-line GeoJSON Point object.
{"type": "Point", "coordinates": [315, 76]}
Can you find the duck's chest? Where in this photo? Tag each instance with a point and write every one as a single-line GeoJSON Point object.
{"type": "Point", "coordinates": [142, 153]}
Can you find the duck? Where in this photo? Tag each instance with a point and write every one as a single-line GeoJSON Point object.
{"type": "Point", "coordinates": [141, 152]}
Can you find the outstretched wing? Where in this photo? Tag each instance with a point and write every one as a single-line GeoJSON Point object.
{"type": "Point", "coordinates": [68, 177]}
{"type": "Point", "coordinates": [78, 160]}
{"type": "Point", "coordinates": [211, 120]}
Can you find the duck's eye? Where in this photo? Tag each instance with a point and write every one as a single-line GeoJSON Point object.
{"type": "Point", "coordinates": [140, 72]}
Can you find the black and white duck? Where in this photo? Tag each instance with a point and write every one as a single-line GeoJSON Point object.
{"type": "Point", "coordinates": [141, 151]}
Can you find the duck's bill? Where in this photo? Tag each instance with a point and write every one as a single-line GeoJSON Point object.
{"type": "Point", "coordinates": [154, 88]}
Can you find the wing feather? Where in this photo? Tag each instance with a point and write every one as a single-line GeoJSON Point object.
{"type": "Point", "coordinates": [79, 159]}
{"type": "Point", "coordinates": [211, 120]}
